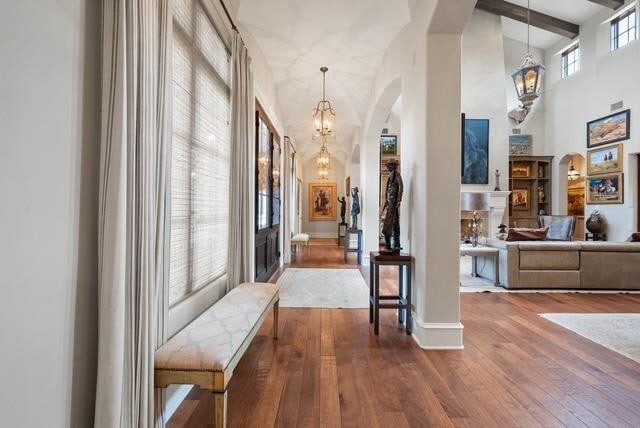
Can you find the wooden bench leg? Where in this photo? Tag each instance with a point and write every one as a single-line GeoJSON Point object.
{"type": "Point", "coordinates": [276, 310]}
{"type": "Point", "coordinates": [220, 404]}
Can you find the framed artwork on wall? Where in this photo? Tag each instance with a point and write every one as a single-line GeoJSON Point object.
{"type": "Point", "coordinates": [609, 129]}
{"type": "Point", "coordinates": [605, 189]}
{"type": "Point", "coordinates": [475, 165]}
{"type": "Point", "coordinates": [521, 170]}
{"type": "Point", "coordinates": [322, 201]}
{"type": "Point", "coordinates": [521, 200]}
{"type": "Point", "coordinates": [575, 201]}
{"type": "Point", "coordinates": [520, 145]}
{"type": "Point", "coordinates": [388, 145]}
{"type": "Point", "coordinates": [605, 160]}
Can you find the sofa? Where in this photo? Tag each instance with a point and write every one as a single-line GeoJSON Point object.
{"type": "Point", "coordinates": [566, 265]}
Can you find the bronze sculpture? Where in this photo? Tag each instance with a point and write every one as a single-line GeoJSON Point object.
{"type": "Point", "coordinates": [355, 208]}
{"type": "Point", "coordinates": [393, 198]}
{"type": "Point", "coordinates": [343, 209]}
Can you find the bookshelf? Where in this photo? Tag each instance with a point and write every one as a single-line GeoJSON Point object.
{"type": "Point", "coordinates": [530, 183]}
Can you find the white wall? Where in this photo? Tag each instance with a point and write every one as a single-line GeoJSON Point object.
{"type": "Point", "coordinates": [484, 87]}
{"type": "Point", "coordinates": [317, 228]}
{"type": "Point", "coordinates": [49, 160]}
{"type": "Point", "coordinates": [605, 78]}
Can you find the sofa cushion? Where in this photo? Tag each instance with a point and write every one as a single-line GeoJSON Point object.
{"type": "Point", "coordinates": [526, 234]}
{"type": "Point", "coordinates": [634, 237]}
{"type": "Point", "coordinates": [611, 247]}
{"type": "Point", "coordinates": [561, 227]}
{"type": "Point", "coordinates": [548, 279]}
{"type": "Point", "coordinates": [549, 246]}
{"type": "Point", "coordinates": [549, 260]}
{"type": "Point", "coordinates": [610, 270]}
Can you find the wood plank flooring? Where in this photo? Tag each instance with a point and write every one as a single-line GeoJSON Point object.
{"type": "Point", "coordinates": [327, 369]}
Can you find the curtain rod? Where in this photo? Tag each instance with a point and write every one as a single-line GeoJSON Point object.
{"type": "Point", "coordinates": [233, 24]}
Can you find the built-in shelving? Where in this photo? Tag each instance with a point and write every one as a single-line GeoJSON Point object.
{"type": "Point", "coordinates": [530, 175]}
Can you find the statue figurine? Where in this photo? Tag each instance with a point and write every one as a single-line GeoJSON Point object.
{"type": "Point", "coordinates": [343, 209]}
{"type": "Point", "coordinates": [497, 188]}
{"type": "Point", "coordinates": [541, 195]}
{"type": "Point", "coordinates": [393, 198]}
{"type": "Point", "coordinates": [355, 208]}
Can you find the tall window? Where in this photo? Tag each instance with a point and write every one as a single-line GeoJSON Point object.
{"type": "Point", "coordinates": [623, 29]}
{"type": "Point", "coordinates": [570, 60]}
{"type": "Point", "coordinates": [199, 151]}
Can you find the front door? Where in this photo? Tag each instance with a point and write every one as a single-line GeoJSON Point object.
{"type": "Point", "coordinates": [267, 242]}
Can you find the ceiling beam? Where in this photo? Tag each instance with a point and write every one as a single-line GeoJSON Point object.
{"type": "Point", "coordinates": [539, 20]}
{"type": "Point", "coordinates": [611, 4]}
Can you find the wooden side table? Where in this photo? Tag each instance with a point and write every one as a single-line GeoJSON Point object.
{"type": "Point", "coordinates": [402, 299]}
{"type": "Point", "coordinates": [348, 249]}
{"type": "Point", "coordinates": [595, 236]}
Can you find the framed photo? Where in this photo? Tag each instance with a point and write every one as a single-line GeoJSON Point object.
{"type": "Point", "coordinates": [388, 145]}
{"type": "Point", "coordinates": [575, 201]}
{"type": "Point", "coordinates": [475, 152]}
{"type": "Point", "coordinates": [520, 199]}
{"type": "Point", "coordinates": [609, 129]}
{"type": "Point", "coordinates": [520, 145]}
{"type": "Point", "coordinates": [605, 160]}
{"type": "Point", "coordinates": [322, 201]}
{"type": "Point", "coordinates": [521, 170]}
{"type": "Point", "coordinates": [605, 189]}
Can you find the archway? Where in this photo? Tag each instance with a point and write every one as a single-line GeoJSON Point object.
{"type": "Point", "coordinates": [571, 190]}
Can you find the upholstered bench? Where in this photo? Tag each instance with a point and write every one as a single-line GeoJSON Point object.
{"type": "Point", "coordinates": [300, 239]}
{"type": "Point", "coordinates": [206, 351]}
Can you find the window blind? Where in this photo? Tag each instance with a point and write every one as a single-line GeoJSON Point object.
{"type": "Point", "coordinates": [199, 152]}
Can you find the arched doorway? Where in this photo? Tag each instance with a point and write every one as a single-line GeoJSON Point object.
{"type": "Point", "coordinates": [571, 189]}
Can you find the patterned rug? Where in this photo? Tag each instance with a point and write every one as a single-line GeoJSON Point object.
{"type": "Point", "coordinates": [323, 288]}
{"type": "Point", "coordinates": [618, 332]}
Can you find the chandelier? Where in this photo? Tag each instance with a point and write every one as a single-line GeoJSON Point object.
{"type": "Point", "coordinates": [322, 162]}
{"type": "Point", "coordinates": [528, 79]}
{"type": "Point", "coordinates": [573, 173]}
{"type": "Point", "coordinates": [323, 113]}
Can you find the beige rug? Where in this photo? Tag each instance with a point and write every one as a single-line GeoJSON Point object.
{"type": "Point", "coordinates": [323, 288]}
{"type": "Point", "coordinates": [618, 332]}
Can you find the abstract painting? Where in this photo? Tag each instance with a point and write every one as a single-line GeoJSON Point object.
{"type": "Point", "coordinates": [476, 152]}
{"type": "Point", "coordinates": [322, 201]}
{"type": "Point", "coordinates": [605, 160]}
{"type": "Point", "coordinates": [609, 129]}
{"type": "Point", "coordinates": [520, 145]}
{"type": "Point", "coordinates": [605, 189]}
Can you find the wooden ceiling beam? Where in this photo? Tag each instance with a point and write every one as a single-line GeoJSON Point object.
{"type": "Point", "coordinates": [611, 4]}
{"type": "Point", "coordinates": [539, 20]}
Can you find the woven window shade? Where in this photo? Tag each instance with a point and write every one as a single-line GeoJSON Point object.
{"type": "Point", "coordinates": [199, 152]}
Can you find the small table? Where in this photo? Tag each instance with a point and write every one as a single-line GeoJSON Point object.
{"type": "Point", "coordinates": [479, 251]}
{"type": "Point", "coordinates": [342, 229]}
{"type": "Point", "coordinates": [595, 236]}
{"type": "Point", "coordinates": [348, 249]}
{"type": "Point", "coordinates": [403, 298]}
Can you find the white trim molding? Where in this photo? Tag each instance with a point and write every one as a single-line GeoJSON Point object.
{"type": "Point", "coordinates": [436, 335]}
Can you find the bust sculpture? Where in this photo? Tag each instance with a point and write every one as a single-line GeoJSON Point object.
{"type": "Point", "coordinates": [393, 198]}
{"type": "Point", "coordinates": [355, 208]}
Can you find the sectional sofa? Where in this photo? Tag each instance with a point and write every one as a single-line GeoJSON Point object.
{"type": "Point", "coordinates": [566, 265]}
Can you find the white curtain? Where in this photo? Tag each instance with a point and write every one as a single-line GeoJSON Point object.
{"type": "Point", "coordinates": [133, 195]}
{"type": "Point", "coordinates": [242, 167]}
{"type": "Point", "coordinates": [286, 206]}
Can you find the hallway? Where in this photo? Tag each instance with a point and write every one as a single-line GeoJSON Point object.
{"type": "Point", "coordinates": [328, 370]}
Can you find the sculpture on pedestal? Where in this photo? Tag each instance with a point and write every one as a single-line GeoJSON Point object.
{"type": "Point", "coordinates": [343, 209]}
{"type": "Point", "coordinates": [393, 198]}
{"type": "Point", "coordinates": [355, 208]}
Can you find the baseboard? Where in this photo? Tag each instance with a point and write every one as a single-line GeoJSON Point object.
{"type": "Point", "coordinates": [437, 335]}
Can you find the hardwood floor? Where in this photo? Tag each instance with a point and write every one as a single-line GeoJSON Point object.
{"type": "Point", "coordinates": [327, 369]}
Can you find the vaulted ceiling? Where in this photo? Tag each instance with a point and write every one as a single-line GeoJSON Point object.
{"type": "Point", "coordinates": [350, 37]}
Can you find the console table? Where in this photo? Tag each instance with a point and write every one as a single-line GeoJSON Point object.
{"type": "Point", "coordinates": [347, 247]}
{"type": "Point", "coordinates": [475, 252]}
{"type": "Point", "coordinates": [402, 299]}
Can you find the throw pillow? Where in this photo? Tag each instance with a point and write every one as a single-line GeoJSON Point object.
{"type": "Point", "coordinates": [635, 237]}
{"type": "Point", "coordinates": [525, 234]}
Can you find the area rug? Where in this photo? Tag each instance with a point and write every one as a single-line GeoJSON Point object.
{"type": "Point", "coordinates": [323, 288]}
{"type": "Point", "coordinates": [618, 332]}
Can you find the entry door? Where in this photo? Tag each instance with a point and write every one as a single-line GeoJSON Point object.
{"type": "Point", "coordinates": [267, 204]}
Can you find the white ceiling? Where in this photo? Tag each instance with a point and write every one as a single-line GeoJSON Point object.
{"type": "Point", "coordinates": [350, 37]}
{"type": "Point", "coordinates": [575, 11]}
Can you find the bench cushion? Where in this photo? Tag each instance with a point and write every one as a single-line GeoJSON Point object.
{"type": "Point", "coordinates": [300, 237]}
{"type": "Point", "coordinates": [210, 341]}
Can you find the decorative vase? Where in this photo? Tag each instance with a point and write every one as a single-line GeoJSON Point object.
{"type": "Point", "coordinates": [595, 222]}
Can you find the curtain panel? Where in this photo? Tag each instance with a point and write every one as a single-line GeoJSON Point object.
{"type": "Point", "coordinates": [134, 169]}
{"type": "Point", "coordinates": [242, 169]}
{"type": "Point", "coordinates": [286, 212]}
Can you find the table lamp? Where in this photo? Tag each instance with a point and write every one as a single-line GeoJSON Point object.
{"type": "Point", "coordinates": [474, 202]}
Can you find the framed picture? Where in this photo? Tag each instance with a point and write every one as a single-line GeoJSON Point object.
{"type": "Point", "coordinates": [388, 145]}
{"type": "Point", "coordinates": [475, 150]}
{"type": "Point", "coordinates": [520, 145]}
{"type": "Point", "coordinates": [322, 201]}
{"type": "Point", "coordinates": [609, 129]}
{"type": "Point", "coordinates": [575, 201]}
{"type": "Point", "coordinates": [520, 199]}
{"type": "Point", "coordinates": [605, 160]}
{"type": "Point", "coordinates": [347, 186]}
{"type": "Point", "coordinates": [521, 170]}
{"type": "Point", "coordinates": [605, 189]}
